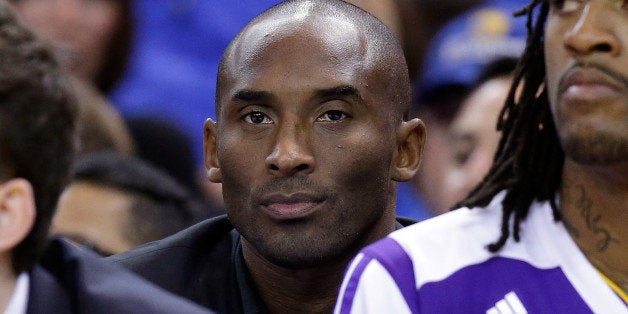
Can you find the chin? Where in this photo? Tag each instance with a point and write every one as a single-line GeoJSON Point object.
{"type": "Point", "coordinates": [297, 259]}
{"type": "Point", "coordinates": [292, 253]}
{"type": "Point", "coordinates": [596, 149]}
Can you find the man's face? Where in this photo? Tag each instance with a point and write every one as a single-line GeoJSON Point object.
{"type": "Point", "coordinates": [586, 49]}
{"type": "Point", "coordinates": [473, 139]}
{"type": "Point", "coordinates": [305, 142]}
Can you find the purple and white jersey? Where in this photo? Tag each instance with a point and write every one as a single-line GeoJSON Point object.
{"type": "Point", "coordinates": [442, 266]}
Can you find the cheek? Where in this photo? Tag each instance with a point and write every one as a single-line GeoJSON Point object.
{"type": "Point", "coordinates": [554, 59]}
{"type": "Point", "coordinates": [362, 162]}
{"type": "Point", "coordinates": [101, 23]}
{"type": "Point", "coordinates": [240, 163]}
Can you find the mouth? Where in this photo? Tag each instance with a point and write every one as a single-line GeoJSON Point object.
{"type": "Point", "coordinates": [291, 206]}
{"type": "Point", "coordinates": [589, 84]}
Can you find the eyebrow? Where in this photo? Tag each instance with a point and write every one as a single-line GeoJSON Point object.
{"type": "Point", "coordinates": [247, 95]}
{"type": "Point", "coordinates": [342, 91]}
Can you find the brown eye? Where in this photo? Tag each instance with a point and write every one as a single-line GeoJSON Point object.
{"type": "Point", "coordinates": [332, 116]}
{"type": "Point", "coordinates": [256, 117]}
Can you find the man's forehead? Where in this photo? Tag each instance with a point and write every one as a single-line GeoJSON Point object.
{"type": "Point", "coordinates": [335, 35]}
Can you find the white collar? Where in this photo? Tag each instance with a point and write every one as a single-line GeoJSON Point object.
{"type": "Point", "coordinates": [19, 298]}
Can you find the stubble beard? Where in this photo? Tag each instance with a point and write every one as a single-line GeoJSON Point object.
{"type": "Point", "coordinates": [301, 251]}
{"type": "Point", "coordinates": [601, 148]}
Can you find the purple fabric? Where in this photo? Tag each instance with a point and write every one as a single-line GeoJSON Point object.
{"type": "Point", "coordinates": [476, 288]}
{"type": "Point", "coordinates": [399, 265]}
{"type": "Point", "coordinates": [352, 285]}
{"type": "Point", "coordinates": [472, 289]}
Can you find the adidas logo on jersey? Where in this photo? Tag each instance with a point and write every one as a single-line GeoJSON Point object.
{"type": "Point", "coordinates": [510, 304]}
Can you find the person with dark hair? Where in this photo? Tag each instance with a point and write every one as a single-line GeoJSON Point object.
{"type": "Point", "coordinates": [115, 203]}
{"type": "Point", "coordinates": [164, 145]}
{"type": "Point", "coordinates": [99, 125]}
{"type": "Point", "coordinates": [472, 137]}
{"type": "Point", "coordinates": [309, 144]}
{"type": "Point", "coordinates": [545, 231]}
{"type": "Point", "coordinates": [453, 61]}
{"type": "Point", "coordinates": [37, 139]}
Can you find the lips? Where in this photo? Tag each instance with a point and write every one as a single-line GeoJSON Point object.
{"type": "Point", "coordinates": [290, 206]}
{"type": "Point", "coordinates": [585, 84]}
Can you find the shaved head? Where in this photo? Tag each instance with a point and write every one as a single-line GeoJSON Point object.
{"type": "Point", "coordinates": [311, 140]}
{"type": "Point", "coordinates": [333, 24]}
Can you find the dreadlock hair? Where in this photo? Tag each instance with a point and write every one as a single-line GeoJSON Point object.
{"type": "Point", "coordinates": [529, 159]}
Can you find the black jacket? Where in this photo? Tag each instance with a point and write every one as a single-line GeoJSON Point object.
{"type": "Point", "coordinates": [203, 263]}
{"type": "Point", "coordinates": [71, 280]}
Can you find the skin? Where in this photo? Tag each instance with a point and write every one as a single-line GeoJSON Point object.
{"type": "Point", "coordinates": [587, 65]}
{"type": "Point", "coordinates": [386, 11]}
{"type": "Point", "coordinates": [430, 179]}
{"type": "Point", "coordinates": [101, 127]}
{"type": "Point", "coordinates": [473, 139]}
{"type": "Point", "coordinates": [17, 217]}
{"type": "Point", "coordinates": [95, 215]}
{"type": "Point", "coordinates": [308, 155]}
{"type": "Point", "coordinates": [80, 30]}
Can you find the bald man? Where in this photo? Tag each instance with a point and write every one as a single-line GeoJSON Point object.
{"type": "Point", "coordinates": [309, 144]}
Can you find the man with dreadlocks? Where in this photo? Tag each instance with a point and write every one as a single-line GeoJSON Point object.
{"type": "Point", "coordinates": [552, 208]}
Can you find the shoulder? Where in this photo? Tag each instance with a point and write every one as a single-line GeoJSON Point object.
{"type": "Point", "coordinates": [443, 265]}
{"type": "Point", "coordinates": [191, 241]}
{"type": "Point", "coordinates": [196, 263]}
{"type": "Point", "coordinates": [462, 226]}
{"type": "Point", "coordinates": [397, 263]}
{"type": "Point", "coordinates": [443, 244]}
{"type": "Point", "coordinates": [90, 284]}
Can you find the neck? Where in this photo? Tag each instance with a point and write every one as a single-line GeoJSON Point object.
{"type": "Point", "coordinates": [7, 283]}
{"type": "Point", "coordinates": [593, 204]}
{"type": "Point", "coordinates": [293, 290]}
{"type": "Point", "coordinates": [309, 290]}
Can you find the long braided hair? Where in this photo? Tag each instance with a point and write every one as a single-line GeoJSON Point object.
{"type": "Point", "coordinates": [528, 162]}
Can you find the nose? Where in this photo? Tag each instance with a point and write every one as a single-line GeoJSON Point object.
{"type": "Point", "coordinates": [592, 31]}
{"type": "Point", "coordinates": [291, 152]}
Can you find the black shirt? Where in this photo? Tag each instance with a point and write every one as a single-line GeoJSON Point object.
{"type": "Point", "coordinates": [69, 279]}
{"type": "Point", "coordinates": [203, 263]}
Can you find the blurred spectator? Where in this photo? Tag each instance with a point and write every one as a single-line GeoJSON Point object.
{"type": "Point", "coordinates": [37, 137]}
{"type": "Point", "coordinates": [472, 136]}
{"type": "Point", "coordinates": [420, 20]}
{"type": "Point", "coordinates": [100, 126]}
{"type": "Point", "coordinates": [92, 38]}
{"type": "Point", "coordinates": [115, 203]}
{"type": "Point", "coordinates": [453, 62]}
{"type": "Point", "coordinates": [161, 143]}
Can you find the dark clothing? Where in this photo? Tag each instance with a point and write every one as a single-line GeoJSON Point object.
{"type": "Point", "coordinates": [203, 263]}
{"type": "Point", "coordinates": [71, 280]}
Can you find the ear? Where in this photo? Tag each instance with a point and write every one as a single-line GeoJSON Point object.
{"type": "Point", "coordinates": [209, 148]}
{"type": "Point", "coordinates": [410, 143]}
{"type": "Point", "coordinates": [17, 213]}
